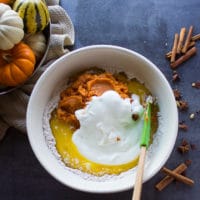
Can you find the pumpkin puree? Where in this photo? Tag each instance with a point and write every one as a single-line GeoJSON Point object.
{"type": "Point", "coordinates": [81, 91]}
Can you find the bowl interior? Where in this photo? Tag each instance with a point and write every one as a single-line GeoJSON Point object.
{"type": "Point", "coordinates": [108, 57]}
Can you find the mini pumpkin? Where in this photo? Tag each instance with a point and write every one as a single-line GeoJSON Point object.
{"type": "Point", "coordinates": [11, 27]}
{"type": "Point", "coordinates": [16, 65]}
{"type": "Point", "coordinates": [9, 2]}
{"type": "Point", "coordinates": [34, 13]}
{"type": "Point", "coordinates": [37, 42]}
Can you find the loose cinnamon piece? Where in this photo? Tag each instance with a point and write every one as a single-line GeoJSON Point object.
{"type": "Point", "coordinates": [181, 38]}
{"type": "Point", "coordinates": [178, 177]}
{"type": "Point", "coordinates": [196, 37]}
{"type": "Point", "coordinates": [182, 105]}
{"type": "Point", "coordinates": [175, 76]}
{"type": "Point", "coordinates": [174, 48]}
{"type": "Point", "coordinates": [188, 39]}
{"type": "Point", "coordinates": [184, 58]}
{"type": "Point", "coordinates": [183, 126]}
{"type": "Point", "coordinates": [184, 142]}
{"type": "Point", "coordinates": [177, 94]}
{"type": "Point", "coordinates": [168, 179]}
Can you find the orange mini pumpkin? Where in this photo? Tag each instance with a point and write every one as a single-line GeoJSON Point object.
{"type": "Point", "coordinates": [16, 65]}
{"type": "Point", "coordinates": [10, 2]}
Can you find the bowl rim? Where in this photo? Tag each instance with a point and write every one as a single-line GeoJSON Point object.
{"type": "Point", "coordinates": [82, 187]}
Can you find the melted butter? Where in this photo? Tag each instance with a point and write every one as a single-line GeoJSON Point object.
{"type": "Point", "coordinates": [73, 158]}
{"type": "Point", "coordinates": [135, 87]}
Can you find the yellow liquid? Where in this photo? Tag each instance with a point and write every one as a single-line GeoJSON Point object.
{"type": "Point", "coordinates": [73, 158]}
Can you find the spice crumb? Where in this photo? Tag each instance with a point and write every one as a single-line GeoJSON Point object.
{"type": "Point", "coordinates": [118, 139]}
{"type": "Point", "coordinates": [175, 76]}
{"type": "Point", "coordinates": [182, 105]}
{"type": "Point", "coordinates": [188, 162]}
{"type": "Point", "coordinates": [135, 117]}
{"type": "Point", "coordinates": [184, 142]}
{"type": "Point", "coordinates": [177, 94]}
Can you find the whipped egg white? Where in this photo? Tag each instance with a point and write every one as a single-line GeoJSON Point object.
{"type": "Point", "coordinates": [108, 134]}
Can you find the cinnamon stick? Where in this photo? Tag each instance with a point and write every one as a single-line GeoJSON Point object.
{"type": "Point", "coordinates": [174, 48]}
{"type": "Point", "coordinates": [192, 43]}
{"type": "Point", "coordinates": [181, 38]}
{"type": "Point", "coordinates": [196, 37]}
{"type": "Point", "coordinates": [188, 39]}
{"type": "Point", "coordinates": [168, 179]}
{"type": "Point", "coordinates": [169, 54]}
{"type": "Point", "coordinates": [178, 177]}
{"type": "Point", "coordinates": [184, 57]}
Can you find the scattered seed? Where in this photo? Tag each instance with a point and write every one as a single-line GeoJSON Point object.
{"type": "Point", "coordinates": [192, 116]}
{"type": "Point", "coordinates": [196, 84]}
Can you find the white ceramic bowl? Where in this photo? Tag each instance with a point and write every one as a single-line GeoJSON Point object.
{"type": "Point", "coordinates": [107, 56]}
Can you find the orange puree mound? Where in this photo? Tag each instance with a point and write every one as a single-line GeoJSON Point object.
{"type": "Point", "coordinates": [99, 85]}
{"type": "Point", "coordinates": [68, 106]}
{"type": "Point", "coordinates": [81, 90]}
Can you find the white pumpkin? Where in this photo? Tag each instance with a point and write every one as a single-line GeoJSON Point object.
{"type": "Point", "coordinates": [11, 27]}
{"type": "Point", "coordinates": [37, 42]}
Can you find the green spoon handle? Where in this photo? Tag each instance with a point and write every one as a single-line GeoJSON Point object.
{"type": "Point", "coordinates": [145, 137]}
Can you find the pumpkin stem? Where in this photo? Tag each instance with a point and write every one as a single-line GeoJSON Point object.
{"type": "Point", "coordinates": [7, 57]}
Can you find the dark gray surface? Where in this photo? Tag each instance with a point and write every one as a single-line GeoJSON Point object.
{"type": "Point", "coordinates": [148, 28]}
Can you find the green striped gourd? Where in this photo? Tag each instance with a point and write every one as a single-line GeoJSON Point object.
{"type": "Point", "coordinates": [34, 13]}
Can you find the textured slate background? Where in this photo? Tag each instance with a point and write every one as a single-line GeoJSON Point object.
{"type": "Point", "coordinates": [148, 28]}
